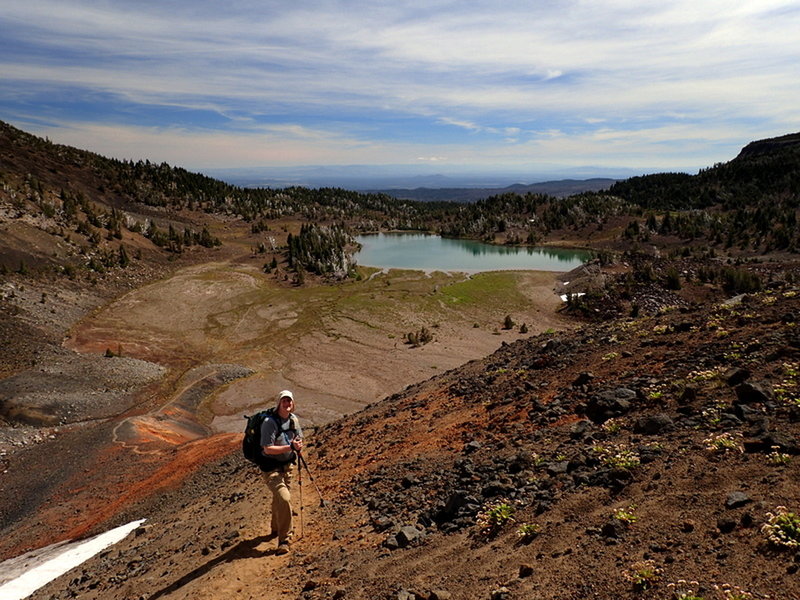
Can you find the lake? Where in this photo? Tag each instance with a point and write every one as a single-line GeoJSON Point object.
{"type": "Point", "coordinates": [419, 251]}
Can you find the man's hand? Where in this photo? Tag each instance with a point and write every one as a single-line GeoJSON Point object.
{"type": "Point", "coordinates": [296, 445]}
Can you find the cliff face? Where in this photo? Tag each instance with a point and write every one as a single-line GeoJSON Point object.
{"type": "Point", "coordinates": [624, 457]}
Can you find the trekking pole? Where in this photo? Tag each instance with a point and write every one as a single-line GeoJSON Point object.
{"type": "Point", "coordinates": [300, 482]}
{"type": "Point", "coordinates": [311, 477]}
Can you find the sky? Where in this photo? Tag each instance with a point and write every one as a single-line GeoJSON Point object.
{"type": "Point", "coordinates": [443, 85]}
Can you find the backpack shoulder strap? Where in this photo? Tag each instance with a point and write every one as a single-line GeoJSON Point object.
{"type": "Point", "coordinates": [294, 424]}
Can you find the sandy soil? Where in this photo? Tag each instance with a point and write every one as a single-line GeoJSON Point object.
{"type": "Point", "coordinates": [331, 345]}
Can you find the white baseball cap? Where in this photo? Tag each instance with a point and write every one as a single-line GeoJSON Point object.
{"type": "Point", "coordinates": [285, 394]}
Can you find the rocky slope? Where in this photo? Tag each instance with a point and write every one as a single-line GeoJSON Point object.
{"type": "Point", "coordinates": [644, 455]}
{"type": "Point", "coordinates": [638, 458]}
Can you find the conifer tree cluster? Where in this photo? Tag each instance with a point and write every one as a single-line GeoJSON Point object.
{"type": "Point", "coordinates": [321, 250]}
{"type": "Point", "coordinates": [415, 339]}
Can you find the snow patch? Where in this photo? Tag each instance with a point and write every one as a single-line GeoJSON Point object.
{"type": "Point", "coordinates": [575, 295]}
{"type": "Point", "coordinates": [42, 566]}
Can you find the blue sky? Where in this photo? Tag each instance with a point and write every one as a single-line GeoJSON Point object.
{"type": "Point", "coordinates": [537, 84]}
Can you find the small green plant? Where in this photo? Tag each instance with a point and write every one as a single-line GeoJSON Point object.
{"type": "Point", "coordinates": [643, 574]}
{"type": "Point", "coordinates": [625, 515]}
{"type": "Point", "coordinates": [527, 531]}
{"type": "Point", "coordinates": [778, 458]}
{"type": "Point", "coordinates": [722, 443]}
{"type": "Point", "coordinates": [782, 528]}
{"type": "Point", "coordinates": [787, 390]}
{"type": "Point", "coordinates": [700, 376]}
{"type": "Point", "coordinates": [732, 592]}
{"type": "Point", "coordinates": [611, 356]}
{"type": "Point", "coordinates": [494, 517]}
{"type": "Point", "coordinates": [685, 590]}
{"type": "Point", "coordinates": [711, 416]}
{"type": "Point", "coordinates": [621, 459]}
{"type": "Point", "coordinates": [612, 426]}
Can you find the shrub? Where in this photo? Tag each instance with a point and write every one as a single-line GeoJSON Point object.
{"type": "Point", "coordinates": [621, 459]}
{"type": "Point", "coordinates": [494, 517]}
{"type": "Point", "coordinates": [722, 443]}
{"type": "Point", "coordinates": [685, 590]}
{"type": "Point", "coordinates": [740, 281]}
{"type": "Point", "coordinates": [782, 528]}
{"type": "Point", "coordinates": [778, 458]}
{"type": "Point", "coordinates": [673, 279]}
{"type": "Point", "coordinates": [419, 338]}
{"type": "Point", "coordinates": [643, 574]}
{"type": "Point", "coordinates": [625, 515]}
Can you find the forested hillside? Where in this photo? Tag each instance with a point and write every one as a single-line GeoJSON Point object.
{"type": "Point", "coordinates": [749, 203]}
{"type": "Point", "coordinates": [744, 206]}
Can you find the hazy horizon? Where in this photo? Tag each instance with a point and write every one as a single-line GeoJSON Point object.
{"type": "Point", "coordinates": [372, 177]}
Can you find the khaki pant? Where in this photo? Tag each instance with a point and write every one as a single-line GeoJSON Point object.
{"type": "Point", "coordinates": [278, 483]}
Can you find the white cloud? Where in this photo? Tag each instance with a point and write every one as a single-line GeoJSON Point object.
{"type": "Point", "coordinates": [577, 69]}
{"type": "Point", "coordinates": [469, 125]}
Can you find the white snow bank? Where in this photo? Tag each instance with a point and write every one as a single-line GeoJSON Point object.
{"type": "Point", "coordinates": [42, 566]}
{"type": "Point", "coordinates": [576, 295]}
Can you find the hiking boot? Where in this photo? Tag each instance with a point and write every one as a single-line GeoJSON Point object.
{"type": "Point", "coordinates": [283, 547]}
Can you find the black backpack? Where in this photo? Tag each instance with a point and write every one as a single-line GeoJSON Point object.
{"type": "Point", "coordinates": [251, 443]}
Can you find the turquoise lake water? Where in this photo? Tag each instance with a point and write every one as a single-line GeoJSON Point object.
{"type": "Point", "coordinates": [419, 251]}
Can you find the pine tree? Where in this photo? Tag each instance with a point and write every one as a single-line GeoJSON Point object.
{"type": "Point", "coordinates": [124, 260]}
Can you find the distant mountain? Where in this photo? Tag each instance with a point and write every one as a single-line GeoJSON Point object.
{"type": "Point", "coordinates": [403, 177]}
{"type": "Point", "coordinates": [560, 189]}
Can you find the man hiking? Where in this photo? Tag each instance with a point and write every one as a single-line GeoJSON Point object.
{"type": "Point", "coordinates": [281, 439]}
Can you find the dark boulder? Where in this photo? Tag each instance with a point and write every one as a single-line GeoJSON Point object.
{"type": "Point", "coordinates": [454, 506]}
{"type": "Point", "coordinates": [609, 404]}
{"type": "Point", "coordinates": [734, 377]}
{"type": "Point", "coordinates": [752, 393]}
{"type": "Point", "coordinates": [688, 396]}
{"type": "Point", "coordinates": [497, 488]}
{"type": "Point", "coordinates": [726, 524]}
{"type": "Point", "coordinates": [408, 535]}
{"type": "Point", "coordinates": [737, 499]}
{"type": "Point", "coordinates": [613, 528]}
{"type": "Point", "coordinates": [653, 424]}
{"type": "Point", "coordinates": [557, 468]}
{"type": "Point", "coordinates": [580, 428]}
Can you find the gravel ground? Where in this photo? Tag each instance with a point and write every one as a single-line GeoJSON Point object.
{"type": "Point", "coordinates": [49, 387]}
